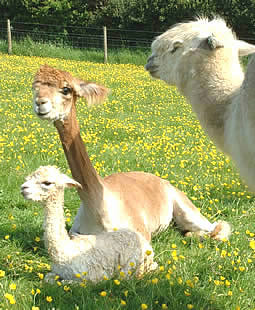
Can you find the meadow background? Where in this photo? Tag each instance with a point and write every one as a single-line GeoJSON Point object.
{"type": "Point", "coordinates": [144, 125]}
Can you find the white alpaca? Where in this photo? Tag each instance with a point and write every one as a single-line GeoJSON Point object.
{"type": "Point", "coordinates": [134, 200]}
{"type": "Point", "coordinates": [93, 256]}
{"type": "Point", "coordinates": [202, 59]}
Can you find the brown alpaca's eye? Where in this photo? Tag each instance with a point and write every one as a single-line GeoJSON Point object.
{"type": "Point", "coordinates": [66, 90]}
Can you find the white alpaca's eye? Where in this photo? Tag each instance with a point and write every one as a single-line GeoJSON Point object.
{"type": "Point", "coordinates": [46, 183]}
{"type": "Point", "coordinates": [66, 90]}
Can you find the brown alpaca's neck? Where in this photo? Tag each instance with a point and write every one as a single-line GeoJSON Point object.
{"type": "Point", "coordinates": [77, 156]}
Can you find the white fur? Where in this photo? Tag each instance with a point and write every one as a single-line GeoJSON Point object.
{"type": "Point", "coordinates": [98, 256]}
{"type": "Point", "coordinates": [206, 69]}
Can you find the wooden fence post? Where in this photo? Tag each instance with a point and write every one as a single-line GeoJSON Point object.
{"type": "Point", "coordinates": [9, 36]}
{"type": "Point", "coordinates": [105, 45]}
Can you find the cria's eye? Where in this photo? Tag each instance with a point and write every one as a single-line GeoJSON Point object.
{"type": "Point", "coordinates": [66, 90]}
{"type": "Point", "coordinates": [46, 183]}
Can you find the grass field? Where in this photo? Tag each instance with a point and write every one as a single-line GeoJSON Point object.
{"type": "Point", "coordinates": [145, 125]}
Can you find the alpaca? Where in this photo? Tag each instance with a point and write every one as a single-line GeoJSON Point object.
{"type": "Point", "coordinates": [95, 256]}
{"type": "Point", "coordinates": [202, 59]}
{"type": "Point", "coordinates": [138, 201]}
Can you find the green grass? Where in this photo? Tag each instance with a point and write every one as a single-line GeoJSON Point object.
{"type": "Point", "coordinates": [28, 47]}
{"type": "Point", "coordinates": [144, 125]}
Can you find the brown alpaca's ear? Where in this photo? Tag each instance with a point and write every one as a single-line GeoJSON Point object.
{"type": "Point", "coordinates": [92, 92]}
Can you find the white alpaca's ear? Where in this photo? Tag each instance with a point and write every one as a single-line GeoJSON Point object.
{"type": "Point", "coordinates": [213, 43]}
{"type": "Point", "coordinates": [244, 48]}
{"type": "Point", "coordinates": [68, 182]}
{"type": "Point", "coordinates": [92, 92]}
{"type": "Point", "coordinates": [176, 44]}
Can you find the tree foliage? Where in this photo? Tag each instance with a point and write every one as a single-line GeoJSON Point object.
{"type": "Point", "coordinates": [150, 15]}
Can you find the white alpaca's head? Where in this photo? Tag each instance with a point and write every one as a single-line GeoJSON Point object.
{"type": "Point", "coordinates": [177, 52]}
{"type": "Point", "coordinates": [55, 92]}
{"type": "Point", "coordinates": [45, 183]}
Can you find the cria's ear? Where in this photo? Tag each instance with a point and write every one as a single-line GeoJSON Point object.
{"type": "Point", "coordinates": [244, 48]}
{"type": "Point", "coordinates": [94, 93]}
{"type": "Point", "coordinates": [176, 45]}
{"type": "Point", "coordinates": [70, 182]}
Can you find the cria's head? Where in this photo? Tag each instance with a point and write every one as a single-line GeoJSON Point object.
{"type": "Point", "coordinates": [45, 182]}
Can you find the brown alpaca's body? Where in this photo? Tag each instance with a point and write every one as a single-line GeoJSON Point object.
{"type": "Point", "coordinates": [135, 200]}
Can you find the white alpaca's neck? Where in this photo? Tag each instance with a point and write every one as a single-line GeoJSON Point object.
{"type": "Point", "coordinates": [211, 88]}
{"type": "Point", "coordinates": [56, 237]}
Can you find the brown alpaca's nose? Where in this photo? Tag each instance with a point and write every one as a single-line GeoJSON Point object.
{"type": "Point", "coordinates": [41, 100]}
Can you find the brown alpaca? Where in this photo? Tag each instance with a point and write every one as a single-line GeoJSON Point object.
{"type": "Point", "coordinates": [138, 201]}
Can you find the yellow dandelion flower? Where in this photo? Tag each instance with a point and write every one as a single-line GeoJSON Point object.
{"type": "Point", "coordinates": [164, 306]}
{"type": "Point", "coordinates": [123, 303]}
{"type": "Point", "coordinates": [103, 293]}
{"type": "Point", "coordinates": [190, 283]}
{"type": "Point", "coordinates": [148, 252]}
{"type": "Point", "coordinates": [174, 246]}
{"type": "Point", "coordinates": [2, 273]}
{"type": "Point", "coordinates": [13, 286]}
{"type": "Point", "coordinates": [216, 282]}
{"type": "Point", "coordinates": [66, 288]}
{"type": "Point", "coordinates": [10, 298]}
{"type": "Point", "coordinates": [122, 274]}
{"type": "Point", "coordinates": [190, 306]}
{"type": "Point", "coordinates": [49, 299]}
{"type": "Point", "coordinates": [117, 282]}
{"type": "Point", "coordinates": [126, 293]}
{"type": "Point", "coordinates": [37, 239]}
{"type": "Point", "coordinates": [154, 281]}
{"type": "Point", "coordinates": [252, 244]}
{"type": "Point", "coordinates": [144, 306]}
{"type": "Point", "coordinates": [35, 308]}
{"type": "Point", "coordinates": [230, 293]}
{"type": "Point", "coordinates": [40, 275]}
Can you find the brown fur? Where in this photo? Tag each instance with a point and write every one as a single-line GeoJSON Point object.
{"type": "Point", "coordinates": [135, 200]}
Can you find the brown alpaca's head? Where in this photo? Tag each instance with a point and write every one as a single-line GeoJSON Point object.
{"type": "Point", "coordinates": [55, 92]}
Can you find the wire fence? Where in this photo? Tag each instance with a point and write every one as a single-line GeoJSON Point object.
{"type": "Point", "coordinates": [78, 37]}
